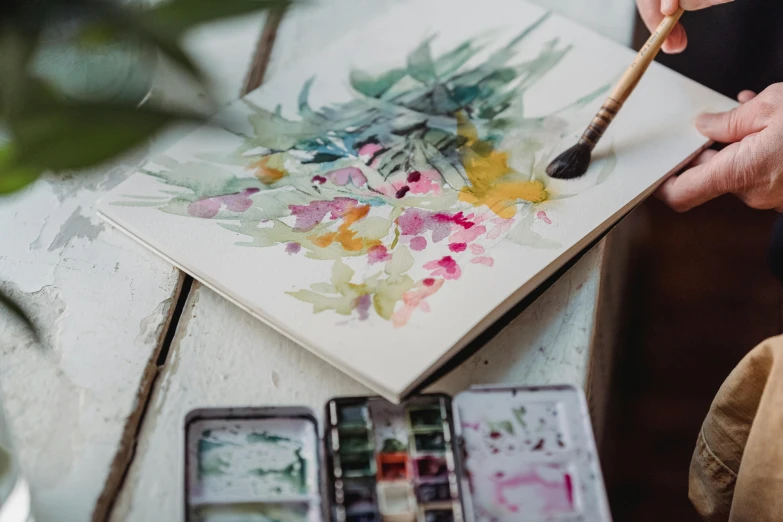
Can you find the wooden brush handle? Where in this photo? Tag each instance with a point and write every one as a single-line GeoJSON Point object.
{"type": "Point", "coordinates": [628, 82]}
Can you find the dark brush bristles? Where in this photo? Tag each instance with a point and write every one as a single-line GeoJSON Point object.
{"type": "Point", "coordinates": [572, 163]}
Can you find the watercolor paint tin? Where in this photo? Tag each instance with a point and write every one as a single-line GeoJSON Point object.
{"type": "Point", "coordinates": [490, 454]}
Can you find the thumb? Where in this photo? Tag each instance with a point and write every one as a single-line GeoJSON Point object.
{"type": "Point", "coordinates": [734, 125]}
{"type": "Point", "coordinates": [711, 176]}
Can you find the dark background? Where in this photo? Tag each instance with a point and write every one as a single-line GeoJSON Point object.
{"type": "Point", "coordinates": [700, 294]}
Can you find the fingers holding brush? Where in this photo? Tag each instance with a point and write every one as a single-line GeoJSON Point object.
{"type": "Point", "coordinates": [750, 167]}
{"type": "Point", "coordinates": [653, 11]}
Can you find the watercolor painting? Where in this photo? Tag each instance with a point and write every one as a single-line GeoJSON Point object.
{"type": "Point", "coordinates": [386, 199]}
{"type": "Point", "coordinates": [419, 176]}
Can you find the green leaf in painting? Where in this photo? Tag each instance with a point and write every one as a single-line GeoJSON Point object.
{"type": "Point", "coordinates": [375, 87]}
{"type": "Point", "coordinates": [181, 15]}
{"type": "Point", "coordinates": [401, 262]}
{"type": "Point", "coordinates": [449, 172]}
{"type": "Point", "coordinates": [449, 63]}
{"type": "Point", "coordinates": [81, 135]}
{"type": "Point", "coordinates": [420, 64]}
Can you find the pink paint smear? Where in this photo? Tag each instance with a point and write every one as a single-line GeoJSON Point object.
{"type": "Point", "coordinates": [209, 207]}
{"type": "Point", "coordinates": [543, 217]}
{"type": "Point", "coordinates": [557, 496]}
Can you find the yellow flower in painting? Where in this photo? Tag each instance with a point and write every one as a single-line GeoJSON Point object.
{"type": "Point", "coordinates": [344, 235]}
{"type": "Point", "coordinates": [488, 172]}
{"type": "Point", "coordinates": [269, 169]}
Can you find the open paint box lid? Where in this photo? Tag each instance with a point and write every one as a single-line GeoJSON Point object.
{"type": "Point", "coordinates": [492, 454]}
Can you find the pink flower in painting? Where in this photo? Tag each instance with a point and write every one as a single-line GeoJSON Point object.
{"type": "Point", "coordinates": [446, 268]}
{"type": "Point", "coordinates": [457, 247]}
{"type": "Point", "coordinates": [414, 299]}
{"type": "Point", "coordinates": [476, 249]}
{"type": "Point", "coordinates": [369, 150]}
{"type": "Point", "coordinates": [468, 235]}
{"type": "Point", "coordinates": [418, 243]}
{"type": "Point", "coordinates": [483, 260]}
{"type": "Point", "coordinates": [424, 182]}
{"type": "Point", "coordinates": [415, 221]}
{"type": "Point", "coordinates": [541, 215]}
{"type": "Point", "coordinates": [378, 254]}
{"type": "Point", "coordinates": [209, 207]}
{"type": "Point", "coordinates": [502, 226]}
{"type": "Point", "coordinates": [342, 177]}
{"type": "Point", "coordinates": [308, 216]}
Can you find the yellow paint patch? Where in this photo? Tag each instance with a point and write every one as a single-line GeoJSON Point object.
{"type": "Point", "coordinates": [268, 169]}
{"type": "Point", "coordinates": [488, 172]}
{"type": "Point", "coordinates": [344, 235]}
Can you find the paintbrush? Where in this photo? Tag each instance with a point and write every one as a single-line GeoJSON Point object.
{"type": "Point", "coordinates": [573, 163]}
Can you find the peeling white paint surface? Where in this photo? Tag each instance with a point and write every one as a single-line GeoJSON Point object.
{"type": "Point", "coordinates": [100, 302]}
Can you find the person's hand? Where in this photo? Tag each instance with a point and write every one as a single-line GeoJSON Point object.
{"type": "Point", "coordinates": [751, 167]}
{"type": "Point", "coordinates": [653, 11]}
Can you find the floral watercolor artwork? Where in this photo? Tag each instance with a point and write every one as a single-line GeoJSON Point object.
{"type": "Point", "coordinates": [383, 199]}
{"type": "Point", "coordinates": [428, 167]}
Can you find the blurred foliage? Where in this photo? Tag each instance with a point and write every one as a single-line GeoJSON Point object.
{"type": "Point", "coordinates": [48, 131]}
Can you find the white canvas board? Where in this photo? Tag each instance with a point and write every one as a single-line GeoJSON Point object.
{"type": "Point", "coordinates": [389, 220]}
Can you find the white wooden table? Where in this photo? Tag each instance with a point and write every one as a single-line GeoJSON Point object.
{"type": "Point", "coordinates": [98, 407]}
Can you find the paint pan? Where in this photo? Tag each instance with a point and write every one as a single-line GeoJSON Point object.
{"type": "Point", "coordinates": [528, 454]}
{"type": "Point", "coordinates": [396, 500]}
{"type": "Point", "coordinates": [393, 439]}
{"type": "Point", "coordinates": [500, 454]}
{"type": "Point", "coordinates": [252, 464]}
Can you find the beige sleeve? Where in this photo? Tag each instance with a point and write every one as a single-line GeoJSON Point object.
{"type": "Point", "coordinates": [737, 468]}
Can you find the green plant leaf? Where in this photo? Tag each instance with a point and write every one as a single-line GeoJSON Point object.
{"type": "Point", "coordinates": [114, 17]}
{"type": "Point", "coordinates": [13, 178]}
{"type": "Point", "coordinates": [82, 135]}
{"type": "Point", "coordinates": [181, 15]}
{"type": "Point", "coordinates": [15, 51]}
{"type": "Point", "coordinates": [11, 306]}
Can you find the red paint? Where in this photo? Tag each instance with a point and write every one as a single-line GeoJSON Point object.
{"type": "Point", "coordinates": [429, 281]}
{"type": "Point", "coordinates": [458, 247]}
{"type": "Point", "coordinates": [495, 435]}
{"type": "Point", "coordinates": [457, 219]}
{"type": "Point", "coordinates": [401, 193]}
{"type": "Point", "coordinates": [319, 179]}
{"type": "Point", "coordinates": [414, 176]}
{"type": "Point", "coordinates": [539, 446]}
{"type": "Point", "coordinates": [569, 488]}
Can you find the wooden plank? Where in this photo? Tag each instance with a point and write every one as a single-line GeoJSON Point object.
{"type": "Point", "coordinates": [221, 356]}
{"type": "Point", "coordinates": [103, 303]}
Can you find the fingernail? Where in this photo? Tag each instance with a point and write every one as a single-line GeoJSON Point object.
{"type": "Point", "coordinates": [668, 7]}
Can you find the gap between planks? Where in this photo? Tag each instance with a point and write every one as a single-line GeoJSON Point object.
{"type": "Point", "coordinates": [133, 427]}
